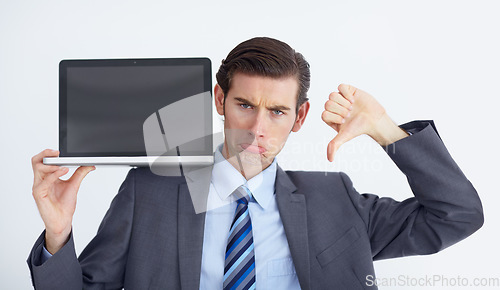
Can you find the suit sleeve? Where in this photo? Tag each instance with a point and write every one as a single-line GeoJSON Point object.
{"type": "Point", "coordinates": [101, 265]}
{"type": "Point", "coordinates": [445, 209]}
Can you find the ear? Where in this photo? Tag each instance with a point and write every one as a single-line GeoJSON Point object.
{"type": "Point", "coordinates": [219, 99]}
{"type": "Point", "coordinates": [301, 116]}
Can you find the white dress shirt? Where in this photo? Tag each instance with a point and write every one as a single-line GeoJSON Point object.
{"type": "Point", "coordinates": [274, 268]}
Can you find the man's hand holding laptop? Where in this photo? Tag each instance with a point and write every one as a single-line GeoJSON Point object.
{"type": "Point", "coordinates": [56, 198]}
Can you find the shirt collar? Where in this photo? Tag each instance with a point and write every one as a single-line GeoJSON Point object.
{"type": "Point", "coordinates": [226, 179]}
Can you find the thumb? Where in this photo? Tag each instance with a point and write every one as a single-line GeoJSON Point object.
{"type": "Point", "coordinates": [80, 173]}
{"type": "Point", "coordinates": [335, 144]}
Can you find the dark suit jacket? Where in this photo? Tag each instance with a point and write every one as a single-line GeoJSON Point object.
{"type": "Point", "coordinates": [151, 237]}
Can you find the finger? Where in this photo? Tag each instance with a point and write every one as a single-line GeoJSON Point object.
{"type": "Point", "coordinates": [49, 181]}
{"type": "Point", "coordinates": [45, 153]}
{"type": "Point", "coordinates": [335, 144]}
{"type": "Point", "coordinates": [347, 91]}
{"type": "Point", "coordinates": [79, 174]}
{"type": "Point", "coordinates": [41, 170]}
{"type": "Point", "coordinates": [336, 108]}
{"type": "Point", "coordinates": [338, 98]}
{"type": "Point", "coordinates": [331, 118]}
{"type": "Point", "coordinates": [331, 150]}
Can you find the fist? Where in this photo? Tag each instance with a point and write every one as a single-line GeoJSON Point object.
{"type": "Point", "coordinates": [351, 112]}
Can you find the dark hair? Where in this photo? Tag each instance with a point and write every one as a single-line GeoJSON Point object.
{"type": "Point", "coordinates": [267, 57]}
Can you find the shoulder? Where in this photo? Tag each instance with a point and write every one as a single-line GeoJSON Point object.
{"type": "Point", "coordinates": [314, 175]}
{"type": "Point", "coordinates": [317, 179]}
{"type": "Point", "coordinates": [321, 188]}
{"type": "Point", "coordinates": [144, 177]}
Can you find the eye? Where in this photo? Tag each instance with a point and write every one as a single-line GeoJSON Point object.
{"type": "Point", "coordinates": [245, 106]}
{"type": "Point", "coordinates": [277, 112]}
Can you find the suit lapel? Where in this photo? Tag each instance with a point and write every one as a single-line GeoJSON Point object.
{"type": "Point", "coordinates": [190, 240]}
{"type": "Point", "coordinates": [292, 208]}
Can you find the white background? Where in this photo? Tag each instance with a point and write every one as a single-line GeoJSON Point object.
{"type": "Point", "coordinates": [422, 60]}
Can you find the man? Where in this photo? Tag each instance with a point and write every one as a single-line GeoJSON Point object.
{"type": "Point", "coordinates": [288, 230]}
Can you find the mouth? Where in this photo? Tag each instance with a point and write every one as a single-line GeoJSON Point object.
{"type": "Point", "coordinates": [253, 148]}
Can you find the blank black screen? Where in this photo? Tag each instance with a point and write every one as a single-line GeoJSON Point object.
{"type": "Point", "coordinates": [106, 106]}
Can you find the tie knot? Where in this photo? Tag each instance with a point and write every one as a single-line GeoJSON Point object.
{"type": "Point", "coordinates": [243, 200]}
{"type": "Point", "coordinates": [243, 194]}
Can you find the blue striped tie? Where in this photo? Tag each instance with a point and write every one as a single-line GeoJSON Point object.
{"type": "Point", "coordinates": [239, 269]}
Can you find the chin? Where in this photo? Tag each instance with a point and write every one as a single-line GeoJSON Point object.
{"type": "Point", "coordinates": [251, 158]}
{"type": "Point", "coordinates": [255, 160]}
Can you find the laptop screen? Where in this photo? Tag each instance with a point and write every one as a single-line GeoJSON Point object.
{"type": "Point", "coordinates": [105, 103]}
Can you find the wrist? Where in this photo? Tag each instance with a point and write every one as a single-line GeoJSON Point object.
{"type": "Point", "coordinates": [386, 132]}
{"type": "Point", "coordinates": [55, 241]}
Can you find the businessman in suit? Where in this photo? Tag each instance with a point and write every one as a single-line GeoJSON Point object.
{"type": "Point", "coordinates": [288, 230]}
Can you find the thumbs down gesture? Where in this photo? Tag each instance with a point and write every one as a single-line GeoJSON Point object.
{"type": "Point", "coordinates": [352, 112]}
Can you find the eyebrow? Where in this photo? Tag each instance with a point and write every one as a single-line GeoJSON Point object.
{"type": "Point", "coordinates": [275, 107]}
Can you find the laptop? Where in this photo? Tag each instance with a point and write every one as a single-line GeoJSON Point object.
{"type": "Point", "coordinates": [135, 112]}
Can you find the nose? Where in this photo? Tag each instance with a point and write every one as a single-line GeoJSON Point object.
{"type": "Point", "coordinates": [259, 125]}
